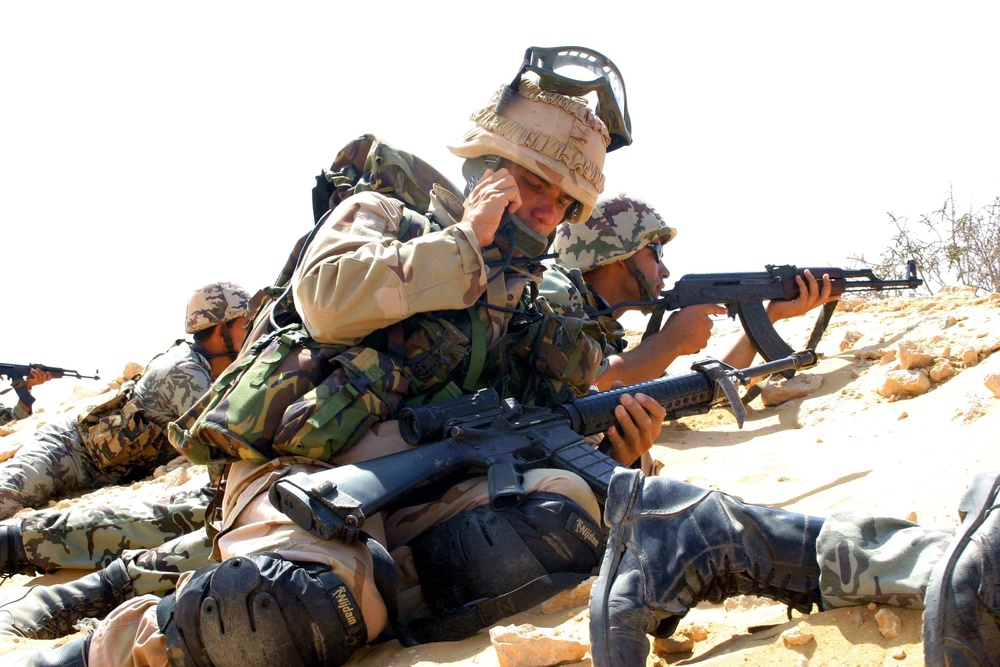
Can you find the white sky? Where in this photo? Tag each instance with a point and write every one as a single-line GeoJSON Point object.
{"type": "Point", "coordinates": [147, 149]}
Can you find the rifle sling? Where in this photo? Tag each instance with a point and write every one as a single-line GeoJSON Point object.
{"type": "Point", "coordinates": [488, 612]}
{"type": "Point", "coordinates": [821, 323]}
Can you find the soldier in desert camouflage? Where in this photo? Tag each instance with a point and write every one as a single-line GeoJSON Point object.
{"type": "Point", "coordinates": [71, 453]}
{"type": "Point", "coordinates": [670, 540]}
{"type": "Point", "coordinates": [125, 444]}
{"type": "Point", "coordinates": [359, 276]}
{"type": "Point", "coordinates": [616, 257]}
{"type": "Point", "coordinates": [84, 539]}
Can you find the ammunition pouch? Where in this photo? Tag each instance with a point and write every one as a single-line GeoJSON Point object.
{"type": "Point", "coordinates": [564, 354]}
{"type": "Point", "coordinates": [120, 439]}
{"type": "Point", "coordinates": [286, 394]}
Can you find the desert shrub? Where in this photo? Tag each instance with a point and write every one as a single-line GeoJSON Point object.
{"type": "Point", "coordinates": [950, 248]}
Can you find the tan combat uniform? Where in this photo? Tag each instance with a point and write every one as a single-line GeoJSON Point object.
{"type": "Point", "coordinates": [354, 278]}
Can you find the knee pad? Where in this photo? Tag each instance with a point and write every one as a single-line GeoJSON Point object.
{"type": "Point", "coordinates": [261, 610]}
{"type": "Point", "coordinates": [548, 541]}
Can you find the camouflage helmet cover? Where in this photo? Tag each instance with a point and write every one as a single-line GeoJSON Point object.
{"type": "Point", "coordinates": [618, 229]}
{"type": "Point", "coordinates": [552, 135]}
{"type": "Point", "coordinates": [215, 303]}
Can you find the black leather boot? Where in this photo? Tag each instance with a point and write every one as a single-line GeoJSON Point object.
{"type": "Point", "coordinates": [962, 603]}
{"type": "Point", "coordinates": [673, 545]}
{"type": "Point", "coordinates": [48, 612]}
{"type": "Point", "coordinates": [71, 654]}
{"type": "Point", "coordinates": [13, 559]}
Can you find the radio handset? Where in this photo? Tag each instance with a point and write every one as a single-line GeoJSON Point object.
{"type": "Point", "coordinates": [526, 241]}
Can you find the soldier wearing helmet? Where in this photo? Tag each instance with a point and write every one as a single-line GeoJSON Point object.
{"type": "Point", "coordinates": [118, 440]}
{"type": "Point", "coordinates": [616, 257]}
{"type": "Point", "coordinates": [217, 318]}
{"type": "Point", "coordinates": [377, 271]}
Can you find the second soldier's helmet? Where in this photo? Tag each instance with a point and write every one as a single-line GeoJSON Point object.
{"type": "Point", "coordinates": [554, 136]}
{"type": "Point", "coordinates": [617, 229]}
{"type": "Point", "coordinates": [215, 303]}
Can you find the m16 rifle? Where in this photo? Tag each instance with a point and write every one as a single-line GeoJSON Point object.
{"type": "Point", "coordinates": [481, 432]}
{"type": "Point", "coordinates": [744, 294]}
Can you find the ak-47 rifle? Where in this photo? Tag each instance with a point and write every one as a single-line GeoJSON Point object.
{"type": "Point", "coordinates": [15, 372]}
{"type": "Point", "coordinates": [744, 293]}
{"type": "Point", "coordinates": [482, 432]}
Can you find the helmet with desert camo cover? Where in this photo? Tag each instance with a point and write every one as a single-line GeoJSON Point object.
{"type": "Point", "coordinates": [617, 229]}
{"type": "Point", "coordinates": [215, 303]}
{"type": "Point", "coordinates": [552, 135]}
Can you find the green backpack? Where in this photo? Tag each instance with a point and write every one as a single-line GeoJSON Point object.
{"type": "Point", "coordinates": [286, 394]}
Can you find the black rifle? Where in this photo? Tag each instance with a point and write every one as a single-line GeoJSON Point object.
{"type": "Point", "coordinates": [16, 372]}
{"type": "Point", "coordinates": [744, 293]}
{"type": "Point", "coordinates": [482, 432]}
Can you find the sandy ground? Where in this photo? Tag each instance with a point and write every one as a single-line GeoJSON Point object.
{"type": "Point", "coordinates": [843, 445]}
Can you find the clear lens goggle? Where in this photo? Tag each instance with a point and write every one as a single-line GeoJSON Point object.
{"type": "Point", "coordinates": [576, 71]}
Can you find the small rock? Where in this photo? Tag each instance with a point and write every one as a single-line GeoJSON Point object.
{"type": "Point", "coordinates": [776, 393]}
{"type": "Point", "coordinates": [697, 633]}
{"type": "Point", "coordinates": [910, 356]}
{"type": "Point", "coordinates": [970, 358]}
{"type": "Point", "coordinates": [530, 646]}
{"type": "Point", "coordinates": [796, 637]}
{"type": "Point", "coordinates": [574, 597]}
{"type": "Point", "coordinates": [850, 338]}
{"type": "Point", "coordinates": [993, 384]}
{"type": "Point", "coordinates": [902, 415]}
{"type": "Point", "coordinates": [888, 623]}
{"type": "Point", "coordinates": [745, 602]}
{"type": "Point", "coordinates": [898, 653]}
{"type": "Point", "coordinates": [677, 643]}
{"type": "Point", "coordinates": [942, 371]}
{"type": "Point", "coordinates": [905, 383]}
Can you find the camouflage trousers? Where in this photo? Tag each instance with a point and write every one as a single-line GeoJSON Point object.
{"type": "Point", "coordinates": [865, 559]}
{"type": "Point", "coordinates": [51, 464]}
{"type": "Point", "coordinates": [157, 538]}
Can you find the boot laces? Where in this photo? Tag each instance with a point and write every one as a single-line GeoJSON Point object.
{"type": "Point", "coordinates": [718, 584]}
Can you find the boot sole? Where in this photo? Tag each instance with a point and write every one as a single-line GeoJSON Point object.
{"type": "Point", "coordinates": [600, 654]}
{"type": "Point", "coordinates": [976, 504]}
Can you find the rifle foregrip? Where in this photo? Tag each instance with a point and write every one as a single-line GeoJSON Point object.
{"type": "Point", "coordinates": [595, 414]}
{"type": "Point", "coordinates": [590, 463]}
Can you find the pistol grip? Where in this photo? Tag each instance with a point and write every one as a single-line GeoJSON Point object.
{"type": "Point", "coordinates": [505, 485]}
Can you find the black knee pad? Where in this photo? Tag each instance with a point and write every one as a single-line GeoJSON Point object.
{"type": "Point", "coordinates": [261, 610]}
{"type": "Point", "coordinates": [485, 553]}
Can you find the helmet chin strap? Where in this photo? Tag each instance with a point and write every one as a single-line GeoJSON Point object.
{"type": "Point", "coordinates": [647, 292]}
{"type": "Point", "coordinates": [227, 338]}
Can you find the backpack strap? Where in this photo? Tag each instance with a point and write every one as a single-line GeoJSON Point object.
{"type": "Point", "coordinates": [477, 355]}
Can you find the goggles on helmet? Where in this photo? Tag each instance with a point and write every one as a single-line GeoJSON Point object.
{"type": "Point", "coordinates": [571, 70]}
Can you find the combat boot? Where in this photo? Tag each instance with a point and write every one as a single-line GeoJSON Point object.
{"type": "Point", "coordinates": [962, 603]}
{"type": "Point", "coordinates": [48, 612]}
{"type": "Point", "coordinates": [13, 559]}
{"type": "Point", "coordinates": [673, 545]}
